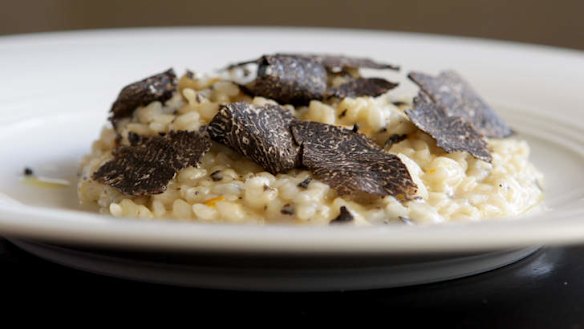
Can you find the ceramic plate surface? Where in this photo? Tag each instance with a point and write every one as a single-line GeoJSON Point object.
{"type": "Point", "coordinates": [56, 90]}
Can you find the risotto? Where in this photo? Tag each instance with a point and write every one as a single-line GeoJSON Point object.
{"type": "Point", "coordinates": [226, 184]}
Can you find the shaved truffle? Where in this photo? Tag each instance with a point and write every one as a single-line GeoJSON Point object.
{"type": "Point", "coordinates": [159, 87]}
{"type": "Point", "coordinates": [362, 87]}
{"type": "Point", "coordinates": [146, 167]}
{"type": "Point", "coordinates": [337, 63]}
{"type": "Point", "coordinates": [333, 63]}
{"type": "Point", "coordinates": [304, 184]}
{"type": "Point", "coordinates": [287, 209]}
{"type": "Point", "coordinates": [289, 79]}
{"type": "Point", "coordinates": [344, 216]}
{"type": "Point", "coordinates": [457, 98]}
{"type": "Point", "coordinates": [451, 133]}
{"type": "Point", "coordinates": [351, 163]}
{"type": "Point", "coordinates": [299, 78]}
{"type": "Point", "coordinates": [216, 176]}
{"type": "Point", "coordinates": [260, 133]}
{"type": "Point", "coordinates": [394, 139]}
{"type": "Point", "coordinates": [134, 139]}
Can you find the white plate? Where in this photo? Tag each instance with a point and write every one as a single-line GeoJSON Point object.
{"type": "Point", "coordinates": [56, 90]}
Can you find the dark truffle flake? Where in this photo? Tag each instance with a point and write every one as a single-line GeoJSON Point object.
{"type": "Point", "coordinates": [405, 220]}
{"type": "Point", "coordinates": [338, 63]}
{"type": "Point", "coordinates": [451, 133]}
{"type": "Point", "coordinates": [299, 78]}
{"type": "Point", "coordinates": [134, 139]}
{"type": "Point", "coordinates": [244, 63]}
{"type": "Point", "coordinates": [28, 171]}
{"type": "Point", "coordinates": [333, 63]}
{"type": "Point", "coordinates": [372, 87]}
{"type": "Point", "coordinates": [344, 217]}
{"type": "Point", "coordinates": [287, 209]}
{"type": "Point", "coordinates": [394, 139]}
{"type": "Point", "coordinates": [351, 163]}
{"type": "Point", "coordinates": [289, 80]}
{"type": "Point", "coordinates": [188, 147]}
{"type": "Point", "coordinates": [457, 98]}
{"type": "Point", "coordinates": [159, 87]}
{"type": "Point", "coordinates": [304, 184]}
{"type": "Point", "coordinates": [147, 167]}
{"type": "Point", "coordinates": [134, 172]}
{"type": "Point", "coordinates": [260, 133]}
{"type": "Point", "coordinates": [216, 176]}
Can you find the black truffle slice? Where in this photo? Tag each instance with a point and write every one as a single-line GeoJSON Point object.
{"type": "Point", "coordinates": [216, 176]}
{"type": "Point", "coordinates": [304, 184]}
{"type": "Point", "coordinates": [362, 87]}
{"type": "Point", "coordinates": [337, 63]}
{"type": "Point", "coordinates": [159, 87]}
{"type": "Point", "coordinates": [452, 133]}
{"type": "Point", "coordinates": [344, 216]}
{"type": "Point", "coordinates": [298, 78]}
{"type": "Point", "coordinates": [260, 133]}
{"type": "Point", "coordinates": [351, 163]}
{"type": "Point", "coordinates": [146, 167]}
{"type": "Point", "coordinates": [134, 139]}
{"type": "Point", "coordinates": [287, 209]}
{"type": "Point", "coordinates": [457, 98]}
{"type": "Point", "coordinates": [333, 63]}
{"type": "Point", "coordinates": [289, 79]}
{"type": "Point", "coordinates": [394, 139]}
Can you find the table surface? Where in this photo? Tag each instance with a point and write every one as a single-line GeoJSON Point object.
{"type": "Point", "coordinates": [545, 290]}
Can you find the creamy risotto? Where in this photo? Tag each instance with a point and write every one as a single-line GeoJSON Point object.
{"type": "Point", "coordinates": [229, 187]}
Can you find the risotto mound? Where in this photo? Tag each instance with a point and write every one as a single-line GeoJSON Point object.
{"type": "Point", "coordinates": [231, 148]}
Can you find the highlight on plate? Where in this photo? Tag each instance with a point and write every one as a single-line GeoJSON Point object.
{"type": "Point", "coordinates": [310, 140]}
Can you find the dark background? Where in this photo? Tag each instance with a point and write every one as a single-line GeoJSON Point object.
{"type": "Point", "coordinates": [557, 23]}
